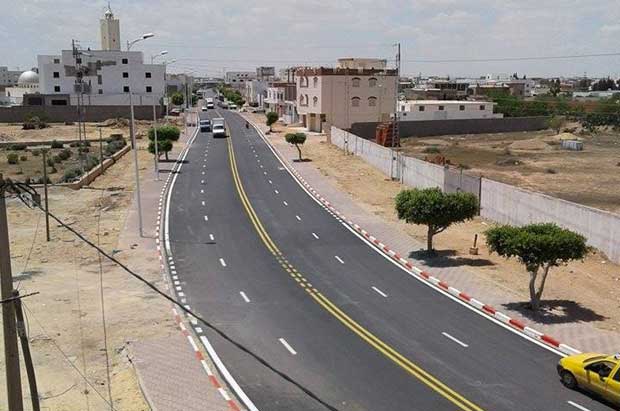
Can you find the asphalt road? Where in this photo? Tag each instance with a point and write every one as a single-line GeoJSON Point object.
{"type": "Point", "coordinates": [290, 282]}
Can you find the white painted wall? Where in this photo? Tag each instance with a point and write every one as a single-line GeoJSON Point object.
{"type": "Point", "coordinates": [417, 110]}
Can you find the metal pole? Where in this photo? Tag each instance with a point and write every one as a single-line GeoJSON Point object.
{"type": "Point", "coordinates": [135, 160]}
{"type": "Point", "coordinates": [395, 120]}
{"type": "Point", "coordinates": [9, 326]}
{"type": "Point", "coordinates": [156, 144]}
{"type": "Point", "coordinates": [47, 215]}
{"type": "Point", "coordinates": [101, 149]}
{"type": "Point", "coordinates": [23, 337]}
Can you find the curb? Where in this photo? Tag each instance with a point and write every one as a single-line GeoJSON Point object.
{"type": "Point", "coordinates": [435, 282]}
{"type": "Point", "coordinates": [168, 267]}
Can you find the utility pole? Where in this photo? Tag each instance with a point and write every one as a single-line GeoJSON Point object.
{"type": "Point", "coordinates": [9, 325]}
{"type": "Point", "coordinates": [395, 130]}
{"type": "Point", "coordinates": [23, 337]}
{"type": "Point", "coordinates": [47, 215]}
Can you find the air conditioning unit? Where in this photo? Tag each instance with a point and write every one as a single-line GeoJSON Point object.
{"type": "Point", "coordinates": [84, 88]}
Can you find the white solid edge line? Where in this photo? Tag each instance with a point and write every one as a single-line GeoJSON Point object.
{"type": "Point", "coordinates": [581, 407]}
{"type": "Point", "coordinates": [456, 340]}
{"type": "Point", "coordinates": [381, 293]}
{"type": "Point", "coordinates": [216, 359]}
{"type": "Point", "coordinates": [287, 346]}
{"type": "Point", "coordinates": [403, 268]}
{"type": "Point", "coordinates": [245, 297]}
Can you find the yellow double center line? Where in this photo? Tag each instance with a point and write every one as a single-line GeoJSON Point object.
{"type": "Point", "coordinates": [413, 369]}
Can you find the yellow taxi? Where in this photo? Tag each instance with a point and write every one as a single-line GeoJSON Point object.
{"type": "Point", "coordinates": [597, 373]}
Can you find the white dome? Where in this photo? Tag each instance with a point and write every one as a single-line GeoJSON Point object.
{"type": "Point", "coordinates": [28, 77]}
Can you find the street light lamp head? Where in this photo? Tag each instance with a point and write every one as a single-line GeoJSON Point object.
{"type": "Point", "coordinates": [163, 53]}
{"type": "Point", "coordinates": [147, 36]}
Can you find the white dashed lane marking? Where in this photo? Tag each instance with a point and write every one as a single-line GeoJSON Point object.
{"type": "Point", "coordinates": [459, 342]}
{"type": "Point", "coordinates": [285, 203]}
{"type": "Point", "coordinates": [206, 218]}
{"type": "Point", "coordinates": [245, 297]}
{"type": "Point", "coordinates": [287, 346]}
{"type": "Point", "coordinates": [339, 259]}
{"type": "Point", "coordinates": [315, 236]}
{"type": "Point", "coordinates": [203, 203]}
{"type": "Point", "coordinates": [298, 218]}
{"type": "Point", "coordinates": [276, 191]}
{"type": "Point", "coordinates": [381, 293]}
{"type": "Point", "coordinates": [211, 237]}
{"type": "Point", "coordinates": [222, 262]}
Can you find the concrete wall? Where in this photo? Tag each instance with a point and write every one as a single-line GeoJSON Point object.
{"type": "Point", "coordinates": [447, 127]}
{"type": "Point", "coordinates": [61, 114]}
{"type": "Point", "coordinates": [511, 205]}
{"type": "Point", "coordinates": [499, 202]}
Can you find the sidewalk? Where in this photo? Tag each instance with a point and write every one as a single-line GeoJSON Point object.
{"type": "Point", "coordinates": [173, 373]}
{"type": "Point", "coordinates": [582, 336]}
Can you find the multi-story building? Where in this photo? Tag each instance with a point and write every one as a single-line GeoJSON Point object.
{"type": "Point", "coordinates": [255, 92]}
{"type": "Point", "coordinates": [281, 98]}
{"type": "Point", "coordinates": [265, 73]}
{"type": "Point", "coordinates": [439, 90]}
{"type": "Point", "coordinates": [27, 83]}
{"type": "Point", "coordinates": [8, 77]}
{"type": "Point", "coordinates": [237, 79]}
{"type": "Point", "coordinates": [417, 110]}
{"type": "Point", "coordinates": [107, 75]}
{"type": "Point", "coordinates": [357, 90]}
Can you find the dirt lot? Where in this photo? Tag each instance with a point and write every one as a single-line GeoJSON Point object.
{"type": "Point", "coordinates": [534, 160]}
{"type": "Point", "coordinates": [65, 319]}
{"type": "Point", "coordinates": [587, 291]}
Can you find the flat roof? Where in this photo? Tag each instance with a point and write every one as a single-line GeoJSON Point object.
{"type": "Point", "coordinates": [447, 102]}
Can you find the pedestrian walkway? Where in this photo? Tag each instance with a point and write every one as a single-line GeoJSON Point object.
{"type": "Point", "coordinates": [173, 373]}
{"type": "Point", "coordinates": [582, 336]}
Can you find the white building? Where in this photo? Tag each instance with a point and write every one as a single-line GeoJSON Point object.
{"type": "Point", "coordinates": [8, 77]}
{"type": "Point", "coordinates": [110, 31]}
{"type": "Point", "coordinates": [255, 92]}
{"type": "Point", "coordinates": [418, 110]}
{"type": "Point", "coordinates": [237, 79]}
{"type": "Point", "coordinates": [108, 74]}
{"type": "Point", "coordinates": [357, 90]}
{"type": "Point", "coordinates": [27, 83]}
{"type": "Point", "coordinates": [281, 99]}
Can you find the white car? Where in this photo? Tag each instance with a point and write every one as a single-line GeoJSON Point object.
{"type": "Point", "coordinates": [232, 106]}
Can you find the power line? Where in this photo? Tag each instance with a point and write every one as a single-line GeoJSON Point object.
{"type": "Point", "coordinates": [22, 187]}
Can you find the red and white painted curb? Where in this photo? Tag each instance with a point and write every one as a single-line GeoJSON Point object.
{"type": "Point", "coordinates": [173, 279]}
{"type": "Point", "coordinates": [424, 275]}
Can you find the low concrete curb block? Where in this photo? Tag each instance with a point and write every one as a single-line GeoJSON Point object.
{"type": "Point", "coordinates": [435, 282]}
{"type": "Point", "coordinates": [168, 267]}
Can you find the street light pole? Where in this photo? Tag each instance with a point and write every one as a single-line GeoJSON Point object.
{"type": "Point", "coordinates": [155, 142]}
{"type": "Point", "coordinates": [133, 137]}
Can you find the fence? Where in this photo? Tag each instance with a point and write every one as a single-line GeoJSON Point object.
{"type": "Point", "coordinates": [499, 202]}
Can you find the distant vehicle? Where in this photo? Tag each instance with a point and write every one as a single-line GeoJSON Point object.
{"type": "Point", "coordinates": [204, 108]}
{"type": "Point", "coordinates": [597, 373]}
{"type": "Point", "coordinates": [232, 106]}
{"type": "Point", "coordinates": [219, 127]}
{"type": "Point", "coordinates": [210, 105]}
{"type": "Point", "coordinates": [205, 126]}
{"type": "Point", "coordinates": [224, 104]}
{"type": "Point", "coordinates": [175, 112]}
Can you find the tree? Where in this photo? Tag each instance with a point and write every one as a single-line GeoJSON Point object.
{"type": "Point", "coordinates": [165, 132]}
{"type": "Point", "coordinates": [163, 147]}
{"type": "Point", "coordinates": [556, 123]}
{"type": "Point", "coordinates": [272, 117]}
{"type": "Point", "coordinates": [435, 209]}
{"type": "Point", "coordinates": [538, 247]}
{"type": "Point", "coordinates": [296, 139]}
{"type": "Point", "coordinates": [177, 99]}
{"type": "Point", "coordinates": [555, 87]}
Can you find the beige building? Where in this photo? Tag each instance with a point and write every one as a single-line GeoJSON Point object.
{"type": "Point", "coordinates": [357, 90]}
{"type": "Point", "coordinates": [110, 31]}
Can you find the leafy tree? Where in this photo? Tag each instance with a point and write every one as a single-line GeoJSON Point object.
{"type": "Point", "coordinates": [163, 147]}
{"type": "Point", "coordinates": [556, 123]}
{"type": "Point", "coordinates": [177, 99]}
{"type": "Point", "coordinates": [538, 247]}
{"type": "Point", "coordinates": [165, 132]}
{"type": "Point", "coordinates": [555, 87]}
{"type": "Point", "coordinates": [435, 209]}
{"type": "Point", "coordinates": [296, 139]}
{"type": "Point", "coordinates": [605, 84]}
{"type": "Point", "coordinates": [272, 117]}
{"type": "Point", "coordinates": [584, 84]}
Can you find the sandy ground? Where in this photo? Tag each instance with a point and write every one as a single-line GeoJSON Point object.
{"type": "Point", "coordinates": [65, 319]}
{"type": "Point", "coordinates": [586, 290]}
{"type": "Point", "coordinates": [534, 160]}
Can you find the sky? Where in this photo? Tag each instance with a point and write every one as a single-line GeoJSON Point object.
{"type": "Point", "coordinates": [208, 37]}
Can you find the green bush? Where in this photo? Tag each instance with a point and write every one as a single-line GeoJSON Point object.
{"type": "Point", "coordinates": [18, 147]}
{"type": "Point", "coordinates": [57, 159]}
{"type": "Point", "coordinates": [84, 150]}
{"type": "Point", "coordinates": [431, 150]}
{"type": "Point", "coordinates": [12, 158]}
{"type": "Point", "coordinates": [91, 162]}
{"type": "Point", "coordinates": [71, 174]}
{"type": "Point", "coordinates": [36, 152]}
{"type": "Point", "coordinates": [56, 144]}
{"type": "Point", "coordinates": [50, 162]}
{"type": "Point", "coordinates": [65, 154]}
{"type": "Point", "coordinates": [23, 158]}
{"type": "Point", "coordinates": [113, 146]}
{"type": "Point", "coordinates": [166, 132]}
{"type": "Point", "coordinates": [163, 147]}
{"type": "Point", "coordinates": [52, 170]}
{"type": "Point", "coordinates": [32, 122]}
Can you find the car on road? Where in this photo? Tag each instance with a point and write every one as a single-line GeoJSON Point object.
{"type": "Point", "coordinates": [597, 373]}
{"type": "Point", "coordinates": [219, 127]}
{"type": "Point", "coordinates": [205, 126]}
{"type": "Point", "coordinates": [204, 108]}
{"type": "Point", "coordinates": [232, 106]}
{"type": "Point", "coordinates": [210, 105]}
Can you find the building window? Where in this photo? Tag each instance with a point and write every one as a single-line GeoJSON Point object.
{"type": "Point", "coordinates": [303, 81]}
{"type": "Point", "coordinates": [315, 101]}
{"type": "Point", "coordinates": [355, 82]}
{"type": "Point", "coordinates": [126, 89]}
{"type": "Point", "coordinates": [78, 60]}
{"type": "Point", "coordinates": [149, 89]}
{"type": "Point", "coordinates": [372, 101]}
{"type": "Point", "coordinates": [57, 89]}
{"type": "Point", "coordinates": [372, 82]}
{"type": "Point", "coordinates": [482, 107]}
{"type": "Point", "coordinates": [100, 91]}
{"type": "Point", "coordinates": [99, 79]}
{"type": "Point", "coordinates": [402, 108]}
{"type": "Point", "coordinates": [355, 102]}
{"type": "Point", "coordinates": [147, 74]}
{"type": "Point", "coordinates": [56, 61]}
{"type": "Point", "coordinates": [462, 107]}
{"type": "Point", "coordinates": [125, 74]}
{"type": "Point", "coordinates": [125, 61]}
{"type": "Point", "coordinates": [421, 108]}
{"type": "Point", "coordinates": [56, 74]}
{"type": "Point", "coordinates": [315, 82]}
{"type": "Point", "coordinates": [441, 108]}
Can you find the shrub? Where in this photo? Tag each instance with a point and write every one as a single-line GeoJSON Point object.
{"type": "Point", "coordinates": [65, 154]}
{"type": "Point", "coordinates": [52, 170]}
{"type": "Point", "coordinates": [23, 158]}
{"type": "Point", "coordinates": [36, 152]}
{"type": "Point", "coordinates": [74, 144]}
{"type": "Point", "coordinates": [71, 174]}
{"type": "Point", "coordinates": [57, 159]}
{"type": "Point", "coordinates": [166, 132]}
{"type": "Point", "coordinates": [91, 162]}
{"type": "Point", "coordinates": [18, 147]}
{"type": "Point", "coordinates": [32, 122]}
{"type": "Point", "coordinates": [50, 162]}
{"type": "Point", "coordinates": [86, 143]}
{"type": "Point", "coordinates": [551, 171]}
{"type": "Point", "coordinates": [56, 144]}
{"type": "Point", "coordinates": [41, 180]}
{"type": "Point", "coordinates": [431, 150]}
{"type": "Point", "coordinates": [113, 146]}
{"type": "Point", "coordinates": [12, 158]}
{"type": "Point", "coordinates": [84, 150]}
